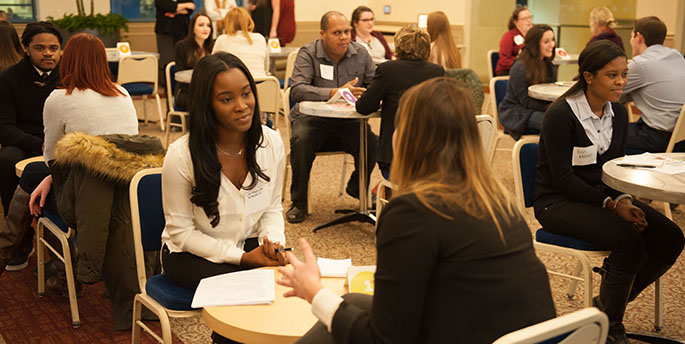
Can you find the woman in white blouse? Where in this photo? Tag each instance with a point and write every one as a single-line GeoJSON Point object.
{"type": "Point", "coordinates": [240, 41]}
{"type": "Point", "coordinates": [221, 183]}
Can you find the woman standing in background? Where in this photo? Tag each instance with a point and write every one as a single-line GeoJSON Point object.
{"type": "Point", "coordinates": [265, 14]}
{"type": "Point", "coordinates": [512, 41]}
{"type": "Point", "coordinates": [444, 51]}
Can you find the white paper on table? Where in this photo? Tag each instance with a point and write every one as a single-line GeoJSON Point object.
{"type": "Point", "coordinates": [671, 166]}
{"type": "Point", "coordinates": [249, 287]}
{"type": "Point", "coordinates": [333, 267]}
{"type": "Point", "coordinates": [645, 159]}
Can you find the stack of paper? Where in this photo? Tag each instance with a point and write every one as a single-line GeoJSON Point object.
{"type": "Point", "coordinates": [333, 267]}
{"type": "Point", "coordinates": [250, 287]}
{"type": "Point", "coordinates": [646, 160]}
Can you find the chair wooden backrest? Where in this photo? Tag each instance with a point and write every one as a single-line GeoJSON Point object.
{"type": "Point", "coordinates": [289, 66]}
{"type": "Point", "coordinates": [138, 68]}
{"type": "Point", "coordinates": [268, 93]}
{"type": "Point", "coordinates": [586, 326]}
{"type": "Point", "coordinates": [487, 128]}
{"type": "Point", "coordinates": [678, 131]}
{"type": "Point", "coordinates": [169, 72]}
{"type": "Point", "coordinates": [493, 57]}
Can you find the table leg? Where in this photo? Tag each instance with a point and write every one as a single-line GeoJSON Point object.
{"type": "Point", "coordinates": [363, 215]}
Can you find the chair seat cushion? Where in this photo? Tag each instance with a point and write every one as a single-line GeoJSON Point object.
{"type": "Point", "coordinates": [168, 294]}
{"type": "Point", "coordinates": [57, 220]}
{"type": "Point", "coordinates": [138, 88]}
{"type": "Point", "coordinates": [546, 237]}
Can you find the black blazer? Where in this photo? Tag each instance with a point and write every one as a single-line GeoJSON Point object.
{"type": "Point", "coordinates": [392, 78]}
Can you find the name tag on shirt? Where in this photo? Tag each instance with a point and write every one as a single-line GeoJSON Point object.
{"type": "Point", "coordinates": [583, 156]}
{"type": "Point", "coordinates": [256, 199]}
{"type": "Point", "coordinates": [518, 39]}
{"type": "Point", "coordinates": [326, 71]}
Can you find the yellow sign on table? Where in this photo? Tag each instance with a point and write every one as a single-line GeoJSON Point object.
{"type": "Point", "coordinates": [360, 279]}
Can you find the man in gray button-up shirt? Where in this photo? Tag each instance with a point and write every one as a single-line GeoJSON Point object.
{"type": "Point", "coordinates": [656, 79]}
{"type": "Point", "coordinates": [321, 68]}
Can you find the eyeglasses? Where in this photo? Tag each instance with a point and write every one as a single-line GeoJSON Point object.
{"type": "Point", "coordinates": [367, 20]}
{"type": "Point", "coordinates": [530, 17]}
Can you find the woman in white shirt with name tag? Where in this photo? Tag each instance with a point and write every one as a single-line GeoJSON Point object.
{"type": "Point", "coordinates": [222, 182]}
{"type": "Point", "coordinates": [581, 131]}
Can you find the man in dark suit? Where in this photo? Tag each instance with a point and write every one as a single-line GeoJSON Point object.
{"type": "Point", "coordinates": [23, 90]}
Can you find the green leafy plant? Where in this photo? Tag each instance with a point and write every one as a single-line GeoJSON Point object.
{"type": "Point", "coordinates": [105, 24]}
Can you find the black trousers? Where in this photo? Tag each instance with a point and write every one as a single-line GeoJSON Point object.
{"type": "Point", "coordinates": [312, 134]}
{"type": "Point", "coordinates": [662, 239]}
{"type": "Point", "coordinates": [645, 138]}
{"type": "Point", "coordinates": [9, 156]}
{"type": "Point", "coordinates": [186, 269]}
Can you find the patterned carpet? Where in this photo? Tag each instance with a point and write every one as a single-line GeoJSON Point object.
{"type": "Point", "coordinates": [25, 318]}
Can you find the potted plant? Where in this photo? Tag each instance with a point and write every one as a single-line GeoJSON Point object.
{"type": "Point", "coordinates": [106, 27]}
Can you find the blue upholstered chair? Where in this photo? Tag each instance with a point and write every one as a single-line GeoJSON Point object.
{"type": "Point", "coordinates": [524, 158]}
{"type": "Point", "coordinates": [586, 326]}
{"type": "Point", "coordinates": [138, 75]}
{"type": "Point", "coordinates": [53, 222]}
{"type": "Point", "coordinates": [157, 294]}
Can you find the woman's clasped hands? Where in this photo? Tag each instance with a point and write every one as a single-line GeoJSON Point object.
{"type": "Point", "coordinates": [625, 209]}
{"type": "Point", "coordinates": [267, 254]}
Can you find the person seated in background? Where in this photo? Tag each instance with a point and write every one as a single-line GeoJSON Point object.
{"type": "Point", "coordinates": [363, 33]}
{"type": "Point", "coordinates": [452, 247]}
{"type": "Point", "coordinates": [656, 80]}
{"type": "Point", "coordinates": [196, 45]}
{"type": "Point", "coordinates": [512, 41]}
{"type": "Point", "coordinates": [4, 16]}
{"type": "Point", "coordinates": [581, 131]}
{"type": "Point", "coordinates": [601, 21]}
{"type": "Point", "coordinates": [444, 51]}
{"type": "Point", "coordinates": [412, 47]}
{"type": "Point", "coordinates": [239, 40]}
{"type": "Point", "coordinates": [216, 10]}
{"type": "Point", "coordinates": [23, 90]}
{"type": "Point", "coordinates": [10, 48]}
{"type": "Point", "coordinates": [322, 68]}
{"type": "Point", "coordinates": [519, 113]}
{"type": "Point", "coordinates": [83, 172]}
{"type": "Point", "coordinates": [222, 182]}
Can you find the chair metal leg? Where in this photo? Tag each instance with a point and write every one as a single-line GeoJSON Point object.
{"type": "Point", "coordinates": [71, 284]}
{"type": "Point", "coordinates": [658, 305]}
{"type": "Point", "coordinates": [135, 329]}
{"type": "Point", "coordinates": [159, 111]}
{"type": "Point", "coordinates": [40, 257]}
{"type": "Point", "coordinates": [144, 109]}
{"type": "Point", "coordinates": [342, 177]}
{"type": "Point", "coordinates": [572, 288]}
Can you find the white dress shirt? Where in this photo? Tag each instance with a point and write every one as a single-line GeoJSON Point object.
{"type": "Point", "coordinates": [243, 213]}
{"type": "Point", "coordinates": [598, 130]}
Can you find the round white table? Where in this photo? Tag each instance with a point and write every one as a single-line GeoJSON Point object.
{"type": "Point", "coordinates": [549, 92]}
{"type": "Point", "coordinates": [184, 76]}
{"type": "Point", "coordinates": [344, 110]}
{"type": "Point", "coordinates": [113, 54]}
{"type": "Point", "coordinates": [646, 183]}
{"type": "Point", "coordinates": [283, 321]}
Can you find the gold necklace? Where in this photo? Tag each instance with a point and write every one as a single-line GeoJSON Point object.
{"type": "Point", "coordinates": [240, 152]}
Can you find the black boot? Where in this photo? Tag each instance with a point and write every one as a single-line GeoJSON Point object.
{"type": "Point", "coordinates": [17, 221]}
{"type": "Point", "coordinates": [612, 300]}
{"type": "Point", "coordinates": [648, 273]}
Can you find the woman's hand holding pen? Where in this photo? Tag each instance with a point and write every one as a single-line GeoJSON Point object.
{"type": "Point", "coordinates": [629, 212]}
{"type": "Point", "coordinates": [267, 254]}
{"type": "Point", "coordinates": [304, 277]}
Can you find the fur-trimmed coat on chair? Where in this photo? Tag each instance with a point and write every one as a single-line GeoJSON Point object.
{"type": "Point", "coordinates": [91, 177]}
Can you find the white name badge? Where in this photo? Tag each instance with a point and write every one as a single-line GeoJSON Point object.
{"type": "Point", "coordinates": [274, 45]}
{"type": "Point", "coordinates": [124, 49]}
{"type": "Point", "coordinates": [326, 71]}
{"type": "Point", "coordinates": [518, 39]}
{"type": "Point", "coordinates": [583, 156]}
{"type": "Point", "coordinates": [256, 199]}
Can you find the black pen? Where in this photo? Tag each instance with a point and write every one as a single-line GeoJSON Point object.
{"type": "Point", "coordinates": [277, 250]}
{"type": "Point", "coordinates": [633, 165]}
